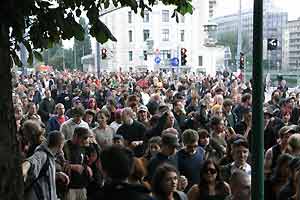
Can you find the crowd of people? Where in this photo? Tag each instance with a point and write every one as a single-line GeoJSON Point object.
{"type": "Point", "coordinates": [149, 135]}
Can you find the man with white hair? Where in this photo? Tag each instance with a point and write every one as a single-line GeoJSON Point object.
{"type": "Point", "coordinates": [132, 131]}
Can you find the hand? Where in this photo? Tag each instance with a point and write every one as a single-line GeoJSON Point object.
{"type": "Point", "coordinates": [182, 183]}
{"type": "Point", "coordinates": [64, 178]}
{"type": "Point", "coordinates": [89, 171]}
{"type": "Point", "coordinates": [77, 168]}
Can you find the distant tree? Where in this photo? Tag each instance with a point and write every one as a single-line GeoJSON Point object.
{"type": "Point", "coordinates": [82, 48]}
{"type": "Point", "coordinates": [229, 39]}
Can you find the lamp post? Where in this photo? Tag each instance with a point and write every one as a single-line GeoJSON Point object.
{"type": "Point", "coordinates": [257, 180]}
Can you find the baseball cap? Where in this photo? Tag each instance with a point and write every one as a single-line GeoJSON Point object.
{"type": "Point", "coordinates": [286, 129]}
{"type": "Point", "coordinates": [170, 140]}
{"type": "Point", "coordinates": [76, 99]}
{"type": "Point", "coordinates": [143, 108]}
{"type": "Point", "coordinates": [268, 110]}
{"type": "Point", "coordinates": [241, 142]}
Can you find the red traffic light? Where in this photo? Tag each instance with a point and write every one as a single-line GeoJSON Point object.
{"type": "Point", "coordinates": [183, 50]}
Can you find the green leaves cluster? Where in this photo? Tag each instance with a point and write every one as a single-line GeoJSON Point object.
{"type": "Point", "coordinates": [39, 24]}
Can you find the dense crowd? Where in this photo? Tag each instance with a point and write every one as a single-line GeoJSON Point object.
{"type": "Point", "coordinates": [151, 135]}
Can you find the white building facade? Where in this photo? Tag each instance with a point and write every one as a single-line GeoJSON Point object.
{"type": "Point", "coordinates": [294, 44]}
{"type": "Point", "coordinates": [153, 42]}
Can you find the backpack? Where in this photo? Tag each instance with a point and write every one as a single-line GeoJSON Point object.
{"type": "Point", "coordinates": [33, 184]}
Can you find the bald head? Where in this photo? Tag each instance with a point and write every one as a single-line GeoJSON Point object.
{"type": "Point", "coordinates": [240, 184]}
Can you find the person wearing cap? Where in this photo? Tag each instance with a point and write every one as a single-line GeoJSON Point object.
{"type": "Point", "coordinates": [275, 151]}
{"type": "Point", "coordinates": [76, 102]}
{"type": "Point", "coordinates": [76, 154]}
{"type": "Point", "coordinates": [240, 153]}
{"type": "Point", "coordinates": [143, 116]}
{"type": "Point", "coordinates": [118, 140]}
{"type": "Point", "coordinates": [191, 157]}
{"type": "Point", "coordinates": [167, 154]}
{"type": "Point", "coordinates": [205, 143]}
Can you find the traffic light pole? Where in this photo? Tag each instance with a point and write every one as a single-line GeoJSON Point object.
{"type": "Point", "coordinates": [257, 180]}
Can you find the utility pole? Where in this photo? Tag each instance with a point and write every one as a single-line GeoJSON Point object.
{"type": "Point", "coordinates": [257, 173]}
{"type": "Point", "coordinates": [239, 33]}
{"type": "Point", "coordinates": [98, 59]}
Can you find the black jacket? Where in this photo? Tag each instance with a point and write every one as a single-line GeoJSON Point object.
{"type": "Point", "coordinates": [117, 191]}
{"type": "Point", "coordinates": [46, 107]}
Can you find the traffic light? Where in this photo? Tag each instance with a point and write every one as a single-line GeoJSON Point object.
{"type": "Point", "coordinates": [104, 53]}
{"type": "Point", "coordinates": [183, 56]}
{"type": "Point", "coordinates": [242, 61]}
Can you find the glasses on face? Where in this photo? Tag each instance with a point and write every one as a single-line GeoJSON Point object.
{"type": "Point", "coordinates": [211, 171]}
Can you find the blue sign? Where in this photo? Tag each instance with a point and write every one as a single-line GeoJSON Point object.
{"type": "Point", "coordinates": [157, 60]}
{"type": "Point", "coordinates": [174, 61]}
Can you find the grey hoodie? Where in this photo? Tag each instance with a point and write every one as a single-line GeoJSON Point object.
{"type": "Point", "coordinates": [47, 182]}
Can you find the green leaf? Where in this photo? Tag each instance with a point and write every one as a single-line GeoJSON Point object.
{"type": "Point", "coordinates": [78, 32]}
{"type": "Point", "coordinates": [106, 4]}
{"type": "Point", "coordinates": [30, 58]}
{"type": "Point", "coordinates": [38, 56]}
{"type": "Point", "coordinates": [101, 37]}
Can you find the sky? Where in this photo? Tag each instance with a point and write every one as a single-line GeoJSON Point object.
{"type": "Point", "coordinates": [231, 6]}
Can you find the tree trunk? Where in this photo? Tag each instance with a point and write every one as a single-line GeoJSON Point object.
{"type": "Point", "coordinates": [11, 181]}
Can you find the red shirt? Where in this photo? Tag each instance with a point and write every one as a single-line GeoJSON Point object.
{"type": "Point", "coordinates": [61, 119]}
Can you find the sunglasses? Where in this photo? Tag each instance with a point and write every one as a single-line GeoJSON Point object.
{"type": "Point", "coordinates": [211, 171]}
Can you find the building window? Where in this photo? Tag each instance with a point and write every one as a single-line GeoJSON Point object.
{"type": "Point", "coordinates": [165, 54]}
{"type": "Point", "coordinates": [130, 35]}
{"type": "Point", "coordinates": [165, 35]}
{"type": "Point", "coordinates": [145, 55]}
{"type": "Point", "coordinates": [165, 16]}
{"type": "Point", "coordinates": [182, 35]}
{"type": "Point", "coordinates": [146, 34]}
{"type": "Point", "coordinates": [200, 61]}
{"type": "Point", "coordinates": [129, 17]}
{"type": "Point", "coordinates": [146, 16]}
{"type": "Point", "coordinates": [130, 55]}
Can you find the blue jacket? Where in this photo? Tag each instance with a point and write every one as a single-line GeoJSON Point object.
{"type": "Point", "coordinates": [53, 124]}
